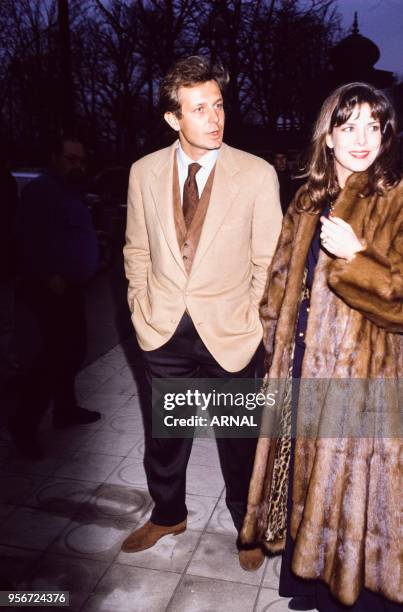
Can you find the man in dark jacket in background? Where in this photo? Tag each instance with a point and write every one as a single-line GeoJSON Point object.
{"type": "Point", "coordinates": [288, 185]}
{"type": "Point", "coordinates": [8, 212]}
{"type": "Point", "coordinates": [58, 255]}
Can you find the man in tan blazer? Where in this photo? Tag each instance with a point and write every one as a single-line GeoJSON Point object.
{"type": "Point", "coordinates": [202, 224]}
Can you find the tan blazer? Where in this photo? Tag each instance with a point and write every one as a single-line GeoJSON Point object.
{"type": "Point", "coordinates": [228, 275]}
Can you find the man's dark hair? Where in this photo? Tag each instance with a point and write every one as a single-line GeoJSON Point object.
{"type": "Point", "coordinates": [188, 72]}
{"type": "Point", "coordinates": [57, 143]}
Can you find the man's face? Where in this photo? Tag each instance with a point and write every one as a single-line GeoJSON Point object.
{"type": "Point", "coordinates": [71, 162]}
{"type": "Point", "coordinates": [280, 162]}
{"type": "Point", "coordinates": [201, 125]}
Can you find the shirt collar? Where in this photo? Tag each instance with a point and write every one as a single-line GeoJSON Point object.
{"type": "Point", "coordinates": [207, 161]}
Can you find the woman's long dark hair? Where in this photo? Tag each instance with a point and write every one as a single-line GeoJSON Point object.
{"type": "Point", "coordinates": [320, 168]}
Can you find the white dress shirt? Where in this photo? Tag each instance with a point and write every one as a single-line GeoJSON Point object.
{"type": "Point", "coordinates": [206, 162]}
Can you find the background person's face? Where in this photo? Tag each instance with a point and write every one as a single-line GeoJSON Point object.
{"type": "Point", "coordinates": [71, 162]}
{"type": "Point", "coordinates": [201, 125]}
{"type": "Point", "coordinates": [355, 143]}
{"type": "Point", "coordinates": [280, 162]}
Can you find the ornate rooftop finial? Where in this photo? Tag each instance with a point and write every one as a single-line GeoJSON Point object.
{"type": "Point", "coordinates": [355, 29]}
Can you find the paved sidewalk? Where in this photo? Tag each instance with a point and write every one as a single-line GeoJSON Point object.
{"type": "Point", "coordinates": [62, 520]}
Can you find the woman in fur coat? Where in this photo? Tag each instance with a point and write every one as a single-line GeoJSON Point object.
{"type": "Point", "coordinates": [333, 321]}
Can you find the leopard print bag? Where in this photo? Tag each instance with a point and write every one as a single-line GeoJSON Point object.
{"type": "Point", "coordinates": [272, 521]}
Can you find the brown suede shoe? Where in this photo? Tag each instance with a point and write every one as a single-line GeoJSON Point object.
{"type": "Point", "coordinates": [147, 535]}
{"type": "Point", "coordinates": [251, 560]}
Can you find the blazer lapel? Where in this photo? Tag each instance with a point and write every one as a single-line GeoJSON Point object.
{"type": "Point", "coordinates": [227, 182]}
{"type": "Point", "coordinates": [162, 192]}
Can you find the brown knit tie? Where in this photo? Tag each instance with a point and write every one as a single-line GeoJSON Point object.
{"type": "Point", "coordinates": [190, 194]}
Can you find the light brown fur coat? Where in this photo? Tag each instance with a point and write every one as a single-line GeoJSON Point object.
{"type": "Point", "coordinates": [347, 495]}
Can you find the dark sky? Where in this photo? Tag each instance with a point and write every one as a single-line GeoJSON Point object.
{"type": "Point", "coordinates": [382, 22]}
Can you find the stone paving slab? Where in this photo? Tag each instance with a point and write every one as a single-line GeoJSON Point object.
{"type": "Point", "coordinates": [62, 520]}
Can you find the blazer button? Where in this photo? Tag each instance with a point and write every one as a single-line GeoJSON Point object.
{"type": "Point", "coordinates": [173, 320]}
{"type": "Point", "coordinates": [185, 257]}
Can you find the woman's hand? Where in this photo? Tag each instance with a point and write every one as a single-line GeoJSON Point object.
{"type": "Point", "coordinates": [339, 239]}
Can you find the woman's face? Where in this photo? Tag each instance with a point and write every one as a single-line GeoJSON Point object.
{"type": "Point", "coordinates": [355, 143]}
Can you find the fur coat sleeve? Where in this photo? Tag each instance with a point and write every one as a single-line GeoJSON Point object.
{"type": "Point", "coordinates": [373, 281]}
{"type": "Point", "coordinates": [272, 300]}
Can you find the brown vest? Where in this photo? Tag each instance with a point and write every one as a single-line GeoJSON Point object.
{"type": "Point", "coordinates": [188, 239]}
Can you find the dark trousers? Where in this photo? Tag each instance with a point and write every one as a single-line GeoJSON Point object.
{"type": "Point", "coordinates": [166, 459]}
{"type": "Point", "coordinates": [61, 326]}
